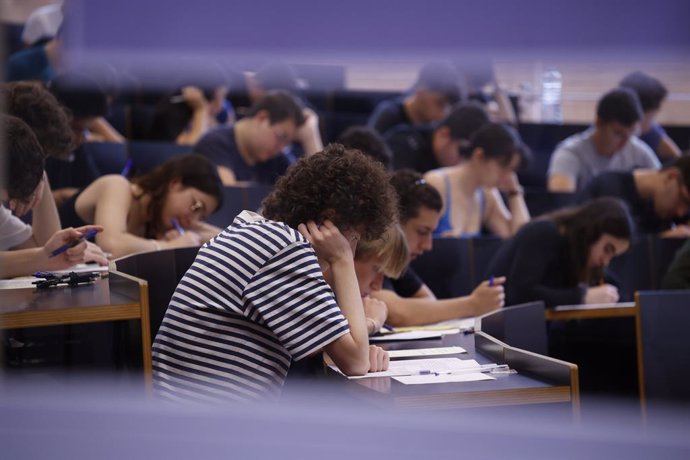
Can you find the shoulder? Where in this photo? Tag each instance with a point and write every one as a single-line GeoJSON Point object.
{"type": "Point", "coordinates": [540, 230]}
{"type": "Point", "coordinates": [644, 152]}
{"type": "Point", "coordinates": [279, 234]}
{"type": "Point", "coordinates": [217, 137]}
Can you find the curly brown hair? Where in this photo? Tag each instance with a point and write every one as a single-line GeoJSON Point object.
{"type": "Point", "coordinates": [39, 109]}
{"type": "Point", "coordinates": [346, 181]}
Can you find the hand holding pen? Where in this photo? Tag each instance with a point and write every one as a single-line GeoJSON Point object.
{"type": "Point", "coordinates": [489, 295]}
{"type": "Point", "coordinates": [67, 247]}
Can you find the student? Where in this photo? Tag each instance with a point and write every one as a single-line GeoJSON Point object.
{"type": "Point", "coordinates": [410, 302]}
{"type": "Point", "coordinates": [652, 93]}
{"type": "Point", "coordinates": [560, 257]}
{"type": "Point", "coordinates": [430, 100]}
{"type": "Point", "coordinates": [161, 209]}
{"type": "Point", "coordinates": [186, 115]}
{"type": "Point", "coordinates": [279, 76]}
{"type": "Point", "coordinates": [369, 142]}
{"type": "Point", "coordinates": [251, 149]}
{"type": "Point", "coordinates": [26, 249]}
{"type": "Point", "coordinates": [610, 145]}
{"type": "Point", "coordinates": [275, 289]}
{"type": "Point", "coordinates": [471, 190]}
{"type": "Point", "coordinates": [386, 256]}
{"type": "Point", "coordinates": [423, 148]}
{"type": "Point", "coordinates": [656, 198]}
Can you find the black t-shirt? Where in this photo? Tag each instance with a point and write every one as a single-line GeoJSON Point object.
{"type": "Point", "coordinates": [622, 185]}
{"type": "Point", "coordinates": [389, 114]}
{"type": "Point", "coordinates": [412, 148]}
{"type": "Point", "coordinates": [537, 264]}
{"type": "Point", "coordinates": [406, 286]}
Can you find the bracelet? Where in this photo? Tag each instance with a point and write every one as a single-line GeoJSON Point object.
{"type": "Point", "coordinates": [156, 244]}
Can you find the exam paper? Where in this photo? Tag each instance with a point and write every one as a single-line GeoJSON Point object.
{"type": "Point", "coordinates": [18, 283]}
{"type": "Point", "coordinates": [426, 352]}
{"type": "Point", "coordinates": [412, 335]}
{"type": "Point", "coordinates": [445, 378]}
{"type": "Point", "coordinates": [414, 366]}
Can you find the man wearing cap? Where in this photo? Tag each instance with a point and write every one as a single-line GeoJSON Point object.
{"type": "Point", "coordinates": [430, 100]}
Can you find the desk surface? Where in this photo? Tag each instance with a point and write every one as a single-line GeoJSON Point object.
{"type": "Point", "coordinates": [108, 299]}
{"type": "Point", "coordinates": [512, 389]}
{"type": "Point", "coordinates": [568, 312]}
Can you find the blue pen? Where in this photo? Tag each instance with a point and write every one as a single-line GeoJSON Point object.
{"type": "Point", "coordinates": [127, 168]}
{"type": "Point", "coordinates": [491, 281]}
{"type": "Point", "coordinates": [388, 328]}
{"type": "Point", "coordinates": [87, 234]}
{"type": "Point", "coordinates": [177, 226]}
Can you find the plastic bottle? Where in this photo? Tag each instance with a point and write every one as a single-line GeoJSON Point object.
{"type": "Point", "coordinates": [551, 86]}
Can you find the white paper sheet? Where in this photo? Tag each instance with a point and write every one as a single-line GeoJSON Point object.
{"type": "Point", "coordinates": [415, 366]}
{"type": "Point", "coordinates": [426, 352]}
{"type": "Point", "coordinates": [445, 378]}
{"type": "Point", "coordinates": [18, 283]}
{"type": "Point", "coordinates": [412, 335]}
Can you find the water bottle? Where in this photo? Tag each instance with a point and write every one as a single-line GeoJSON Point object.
{"type": "Point", "coordinates": [551, 85]}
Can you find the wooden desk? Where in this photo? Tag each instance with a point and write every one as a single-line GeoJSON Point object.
{"type": "Point", "coordinates": [569, 312]}
{"type": "Point", "coordinates": [513, 389]}
{"type": "Point", "coordinates": [117, 297]}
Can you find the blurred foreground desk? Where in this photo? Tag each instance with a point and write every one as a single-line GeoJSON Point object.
{"type": "Point", "coordinates": [117, 297]}
{"type": "Point", "coordinates": [539, 380]}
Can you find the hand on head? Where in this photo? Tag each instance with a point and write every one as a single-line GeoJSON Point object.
{"type": "Point", "coordinates": [329, 244]}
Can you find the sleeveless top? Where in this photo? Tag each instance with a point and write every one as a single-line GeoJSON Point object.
{"type": "Point", "coordinates": [444, 224]}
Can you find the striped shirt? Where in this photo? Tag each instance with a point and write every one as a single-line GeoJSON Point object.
{"type": "Point", "coordinates": [253, 300]}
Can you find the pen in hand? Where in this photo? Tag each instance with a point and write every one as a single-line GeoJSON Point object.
{"type": "Point", "coordinates": [177, 226]}
{"type": "Point", "coordinates": [491, 281]}
{"type": "Point", "coordinates": [86, 235]}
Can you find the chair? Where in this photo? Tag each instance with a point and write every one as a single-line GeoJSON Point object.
{"type": "Point", "coordinates": [662, 346]}
{"type": "Point", "coordinates": [147, 155]}
{"type": "Point", "coordinates": [238, 199]}
{"type": "Point", "coordinates": [109, 157]}
{"type": "Point", "coordinates": [446, 269]}
{"type": "Point", "coordinates": [163, 270]}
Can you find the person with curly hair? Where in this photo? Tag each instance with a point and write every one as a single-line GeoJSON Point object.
{"type": "Point", "coordinates": [263, 292]}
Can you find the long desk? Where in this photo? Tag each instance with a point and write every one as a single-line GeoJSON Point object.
{"type": "Point", "coordinates": [528, 386]}
{"type": "Point", "coordinates": [593, 311]}
{"type": "Point", "coordinates": [117, 297]}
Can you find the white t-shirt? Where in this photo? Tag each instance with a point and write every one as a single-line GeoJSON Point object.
{"type": "Point", "coordinates": [577, 157]}
{"type": "Point", "coordinates": [13, 231]}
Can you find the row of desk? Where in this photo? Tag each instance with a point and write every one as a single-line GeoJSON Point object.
{"type": "Point", "coordinates": [505, 336]}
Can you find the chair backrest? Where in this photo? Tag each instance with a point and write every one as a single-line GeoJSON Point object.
{"type": "Point", "coordinates": [541, 201]}
{"type": "Point", "coordinates": [446, 268]}
{"type": "Point", "coordinates": [163, 270]}
{"type": "Point", "coordinates": [236, 200]}
{"type": "Point", "coordinates": [663, 347]}
{"type": "Point", "coordinates": [109, 157]}
{"type": "Point", "coordinates": [147, 155]}
{"type": "Point", "coordinates": [521, 326]}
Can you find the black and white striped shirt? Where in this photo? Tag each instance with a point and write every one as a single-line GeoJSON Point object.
{"type": "Point", "coordinates": [253, 300]}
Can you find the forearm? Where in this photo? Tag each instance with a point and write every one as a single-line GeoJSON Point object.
{"type": "Point", "coordinates": [45, 221]}
{"type": "Point", "coordinates": [349, 300]}
{"type": "Point", "coordinates": [421, 311]}
{"type": "Point", "coordinates": [105, 131]}
{"type": "Point", "coordinates": [123, 244]}
{"type": "Point", "coordinates": [199, 126]}
{"type": "Point", "coordinates": [24, 262]}
{"type": "Point", "coordinates": [518, 210]}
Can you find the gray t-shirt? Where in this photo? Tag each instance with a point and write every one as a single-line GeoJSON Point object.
{"type": "Point", "coordinates": [13, 231]}
{"type": "Point", "coordinates": [577, 157]}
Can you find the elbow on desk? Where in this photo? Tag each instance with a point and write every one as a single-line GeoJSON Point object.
{"type": "Point", "coordinates": [354, 369]}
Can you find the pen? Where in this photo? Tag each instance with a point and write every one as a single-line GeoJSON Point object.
{"type": "Point", "coordinates": [88, 234]}
{"type": "Point", "coordinates": [491, 368]}
{"type": "Point", "coordinates": [127, 168]}
{"type": "Point", "coordinates": [491, 281]}
{"type": "Point", "coordinates": [177, 99]}
{"type": "Point", "coordinates": [177, 226]}
{"type": "Point", "coordinates": [388, 328]}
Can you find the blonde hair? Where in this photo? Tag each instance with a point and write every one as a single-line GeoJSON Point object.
{"type": "Point", "coordinates": [391, 249]}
